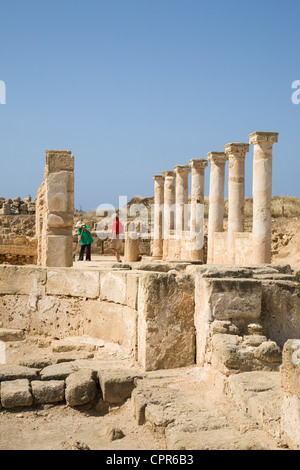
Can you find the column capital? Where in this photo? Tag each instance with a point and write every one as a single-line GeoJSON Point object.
{"type": "Point", "coordinates": [257, 137]}
{"type": "Point", "coordinates": [198, 163]}
{"type": "Point", "coordinates": [165, 174]}
{"type": "Point", "coordinates": [158, 178]}
{"type": "Point", "coordinates": [182, 169]}
{"type": "Point", "coordinates": [217, 157]}
{"type": "Point", "coordinates": [236, 149]}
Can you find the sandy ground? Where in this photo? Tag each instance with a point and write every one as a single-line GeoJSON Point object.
{"type": "Point", "coordinates": [191, 400]}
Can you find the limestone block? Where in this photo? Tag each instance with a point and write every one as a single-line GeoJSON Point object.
{"type": "Point", "coordinates": [223, 299]}
{"type": "Point", "coordinates": [60, 220]}
{"type": "Point", "coordinates": [58, 371]}
{"type": "Point", "coordinates": [10, 334]}
{"type": "Point", "coordinates": [116, 386]}
{"type": "Point", "coordinates": [120, 288]}
{"type": "Point", "coordinates": [231, 298]}
{"type": "Point", "coordinates": [166, 333]}
{"type": "Point", "coordinates": [16, 393]}
{"type": "Point", "coordinates": [76, 283]}
{"type": "Point", "coordinates": [12, 372]}
{"type": "Point", "coordinates": [268, 351]}
{"type": "Point", "coordinates": [280, 307]}
{"type": "Point", "coordinates": [59, 251]}
{"type": "Point", "coordinates": [57, 161]}
{"type": "Point", "coordinates": [113, 287]}
{"type": "Point", "coordinates": [111, 322]}
{"type": "Point", "coordinates": [48, 391]}
{"type": "Point", "coordinates": [20, 279]}
{"type": "Point", "coordinates": [80, 388]}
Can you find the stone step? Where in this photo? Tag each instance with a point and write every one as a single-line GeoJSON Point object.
{"type": "Point", "coordinates": [10, 334]}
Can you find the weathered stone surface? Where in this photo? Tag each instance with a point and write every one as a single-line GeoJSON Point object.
{"type": "Point", "coordinates": [67, 346]}
{"type": "Point", "coordinates": [16, 393]}
{"type": "Point", "coordinates": [113, 287]}
{"type": "Point", "coordinates": [20, 279]}
{"type": "Point", "coordinates": [9, 334]}
{"type": "Point", "coordinates": [80, 388]}
{"type": "Point", "coordinates": [12, 372]}
{"type": "Point", "coordinates": [166, 320]}
{"type": "Point", "coordinates": [254, 340]}
{"type": "Point", "coordinates": [48, 391]}
{"type": "Point", "coordinates": [58, 371]}
{"type": "Point", "coordinates": [73, 282]}
{"type": "Point", "coordinates": [268, 351]}
{"type": "Point", "coordinates": [224, 326]}
{"type": "Point", "coordinates": [116, 386]}
{"type": "Point", "coordinates": [224, 299]}
{"type": "Point", "coordinates": [280, 310]}
{"type": "Point", "coordinates": [254, 329]}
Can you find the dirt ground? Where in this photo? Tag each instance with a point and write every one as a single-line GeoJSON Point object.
{"type": "Point", "coordinates": [207, 419]}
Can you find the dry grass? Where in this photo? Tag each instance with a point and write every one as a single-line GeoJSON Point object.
{"type": "Point", "coordinates": [287, 206]}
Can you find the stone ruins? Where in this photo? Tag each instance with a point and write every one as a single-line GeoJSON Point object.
{"type": "Point", "coordinates": [234, 316]}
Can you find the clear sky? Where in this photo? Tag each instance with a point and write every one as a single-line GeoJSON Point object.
{"type": "Point", "coordinates": [135, 87]}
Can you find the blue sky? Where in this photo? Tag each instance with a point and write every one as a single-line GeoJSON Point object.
{"type": "Point", "coordinates": [135, 87]}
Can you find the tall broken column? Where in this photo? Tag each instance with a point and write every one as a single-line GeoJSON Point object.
{"type": "Point", "coordinates": [55, 210]}
{"type": "Point", "coordinates": [169, 209]}
{"type": "Point", "coordinates": [216, 199]}
{"type": "Point", "coordinates": [262, 195]}
{"type": "Point", "coordinates": [236, 153]}
{"type": "Point", "coordinates": [182, 199]}
{"type": "Point", "coordinates": [157, 252]}
{"type": "Point", "coordinates": [198, 166]}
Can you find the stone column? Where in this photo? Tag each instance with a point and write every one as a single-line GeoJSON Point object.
{"type": "Point", "coordinates": [262, 194]}
{"type": "Point", "coordinates": [55, 211]}
{"type": "Point", "coordinates": [157, 252]}
{"type": "Point", "coordinates": [132, 247]}
{"type": "Point", "coordinates": [236, 153]}
{"type": "Point", "coordinates": [169, 209]}
{"type": "Point", "coordinates": [216, 199]}
{"type": "Point", "coordinates": [182, 200]}
{"type": "Point", "coordinates": [198, 166]}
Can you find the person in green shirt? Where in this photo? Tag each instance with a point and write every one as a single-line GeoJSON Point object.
{"type": "Point", "coordinates": [85, 240]}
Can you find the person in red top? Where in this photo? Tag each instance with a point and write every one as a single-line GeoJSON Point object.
{"type": "Point", "coordinates": [116, 242]}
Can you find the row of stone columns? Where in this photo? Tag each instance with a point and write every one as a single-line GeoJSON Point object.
{"type": "Point", "coordinates": [171, 192]}
{"type": "Point", "coordinates": [171, 189]}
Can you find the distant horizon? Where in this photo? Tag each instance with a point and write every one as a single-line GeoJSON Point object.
{"type": "Point", "coordinates": [133, 88]}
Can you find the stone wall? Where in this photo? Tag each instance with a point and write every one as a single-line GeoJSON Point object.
{"type": "Point", "coordinates": [17, 242]}
{"type": "Point", "coordinates": [243, 316]}
{"type": "Point", "coordinates": [165, 314]}
{"type": "Point", "coordinates": [290, 380]}
{"type": "Point", "coordinates": [115, 305]}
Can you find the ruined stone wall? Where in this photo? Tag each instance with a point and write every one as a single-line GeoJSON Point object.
{"type": "Point", "coordinates": [55, 210]}
{"type": "Point", "coordinates": [18, 245]}
{"type": "Point", "coordinates": [244, 315]}
{"type": "Point", "coordinates": [115, 305]}
{"type": "Point", "coordinates": [166, 314]}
